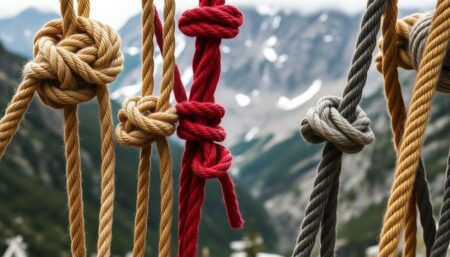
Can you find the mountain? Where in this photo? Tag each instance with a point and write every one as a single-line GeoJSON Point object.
{"type": "Point", "coordinates": [32, 184]}
{"type": "Point", "coordinates": [17, 32]}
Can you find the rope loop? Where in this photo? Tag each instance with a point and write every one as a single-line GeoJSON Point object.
{"type": "Point", "coordinates": [140, 124]}
{"type": "Point", "coordinates": [213, 162]}
{"type": "Point", "coordinates": [199, 121]}
{"type": "Point", "coordinates": [69, 69]}
{"type": "Point", "coordinates": [221, 21]}
{"type": "Point", "coordinates": [325, 123]}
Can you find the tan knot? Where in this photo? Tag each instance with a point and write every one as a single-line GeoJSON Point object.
{"type": "Point", "coordinates": [325, 123]}
{"type": "Point", "coordinates": [139, 123]}
{"type": "Point", "coordinates": [69, 69]}
{"type": "Point", "coordinates": [403, 31]}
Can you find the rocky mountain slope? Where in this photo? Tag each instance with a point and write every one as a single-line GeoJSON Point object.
{"type": "Point", "coordinates": [32, 184]}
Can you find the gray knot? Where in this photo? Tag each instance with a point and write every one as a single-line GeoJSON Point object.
{"type": "Point", "coordinates": [325, 123]}
{"type": "Point", "coordinates": [417, 42]}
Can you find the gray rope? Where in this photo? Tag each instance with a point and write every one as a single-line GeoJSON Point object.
{"type": "Point", "coordinates": [417, 42]}
{"type": "Point", "coordinates": [327, 180]}
{"type": "Point", "coordinates": [442, 240]}
{"type": "Point", "coordinates": [425, 208]}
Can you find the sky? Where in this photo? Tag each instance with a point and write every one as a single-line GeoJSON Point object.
{"type": "Point", "coordinates": [117, 12]}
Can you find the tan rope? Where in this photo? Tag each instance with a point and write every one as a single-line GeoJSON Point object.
{"type": "Point", "coordinates": [389, 58]}
{"type": "Point", "coordinates": [74, 60]}
{"type": "Point", "coordinates": [409, 154]}
{"type": "Point", "coordinates": [148, 119]}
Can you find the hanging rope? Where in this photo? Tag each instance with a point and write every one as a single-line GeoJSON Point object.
{"type": "Point", "coordinates": [148, 119]}
{"type": "Point", "coordinates": [394, 53]}
{"type": "Point", "coordinates": [409, 154]}
{"type": "Point", "coordinates": [200, 118]}
{"type": "Point", "coordinates": [74, 60]}
{"type": "Point", "coordinates": [345, 127]}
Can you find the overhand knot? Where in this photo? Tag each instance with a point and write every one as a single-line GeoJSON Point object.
{"type": "Point", "coordinates": [69, 69]}
{"type": "Point", "coordinates": [325, 123]}
{"type": "Point", "coordinates": [222, 21]}
{"type": "Point", "coordinates": [140, 124]}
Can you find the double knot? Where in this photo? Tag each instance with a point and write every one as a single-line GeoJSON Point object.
{"type": "Point", "coordinates": [69, 69]}
{"type": "Point", "coordinates": [199, 123]}
{"type": "Point", "coordinates": [222, 21]}
{"type": "Point", "coordinates": [325, 123]}
{"type": "Point", "coordinates": [412, 34]}
{"type": "Point", "coordinates": [140, 124]}
{"type": "Point", "coordinates": [403, 31]}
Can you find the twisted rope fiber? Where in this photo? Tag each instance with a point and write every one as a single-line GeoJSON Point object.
{"type": "Point", "coordinates": [146, 119]}
{"type": "Point", "coordinates": [200, 118]}
{"type": "Point", "coordinates": [353, 132]}
{"type": "Point", "coordinates": [394, 53]}
{"type": "Point", "coordinates": [74, 59]}
{"type": "Point", "coordinates": [416, 46]}
{"type": "Point", "coordinates": [408, 162]}
{"type": "Point", "coordinates": [387, 62]}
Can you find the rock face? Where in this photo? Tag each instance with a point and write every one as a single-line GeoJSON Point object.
{"type": "Point", "coordinates": [32, 184]}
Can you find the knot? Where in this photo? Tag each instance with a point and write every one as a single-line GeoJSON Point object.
{"type": "Point", "coordinates": [221, 21]}
{"type": "Point", "coordinates": [403, 30]}
{"type": "Point", "coordinates": [69, 69]}
{"type": "Point", "coordinates": [325, 123]}
{"type": "Point", "coordinates": [140, 124]}
{"type": "Point", "coordinates": [199, 121]}
{"type": "Point", "coordinates": [211, 161]}
{"type": "Point", "coordinates": [417, 44]}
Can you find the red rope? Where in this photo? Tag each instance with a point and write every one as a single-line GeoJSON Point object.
{"type": "Point", "coordinates": [200, 120]}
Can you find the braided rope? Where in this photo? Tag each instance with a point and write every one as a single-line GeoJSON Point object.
{"type": "Point", "coordinates": [321, 209]}
{"type": "Point", "coordinates": [394, 44]}
{"type": "Point", "coordinates": [408, 161]}
{"type": "Point", "coordinates": [148, 119]}
{"type": "Point", "coordinates": [63, 49]}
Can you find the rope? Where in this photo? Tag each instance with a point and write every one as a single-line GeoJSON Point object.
{"type": "Point", "coordinates": [74, 60]}
{"type": "Point", "coordinates": [200, 118]}
{"type": "Point", "coordinates": [395, 53]}
{"type": "Point", "coordinates": [148, 119]}
{"type": "Point", "coordinates": [347, 130]}
{"type": "Point", "coordinates": [409, 154]}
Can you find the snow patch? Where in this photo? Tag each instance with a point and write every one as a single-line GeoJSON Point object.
{"type": "Point", "coordinates": [328, 38]}
{"type": "Point", "coordinates": [323, 17]}
{"type": "Point", "coordinates": [126, 91]}
{"type": "Point", "coordinates": [255, 92]}
{"type": "Point", "coordinates": [276, 22]}
{"type": "Point", "coordinates": [272, 41]}
{"type": "Point", "coordinates": [266, 10]}
{"type": "Point", "coordinates": [27, 33]}
{"type": "Point", "coordinates": [270, 54]}
{"type": "Point", "coordinates": [248, 43]}
{"type": "Point", "coordinates": [226, 49]}
{"type": "Point", "coordinates": [251, 134]}
{"type": "Point", "coordinates": [132, 50]}
{"type": "Point", "coordinates": [287, 104]}
{"type": "Point", "coordinates": [242, 100]}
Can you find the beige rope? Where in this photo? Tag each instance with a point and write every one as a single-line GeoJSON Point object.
{"type": "Point", "coordinates": [74, 60]}
{"type": "Point", "coordinates": [148, 119]}
{"type": "Point", "coordinates": [409, 154]}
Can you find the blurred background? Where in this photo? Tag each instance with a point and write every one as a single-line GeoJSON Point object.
{"type": "Point", "coordinates": [286, 57]}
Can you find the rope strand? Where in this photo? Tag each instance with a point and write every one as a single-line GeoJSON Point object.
{"type": "Point", "coordinates": [409, 154]}
{"type": "Point", "coordinates": [200, 121]}
{"type": "Point", "coordinates": [74, 60]}
{"type": "Point", "coordinates": [346, 128]}
{"type": "Point", "coordinates": [148, 119]}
